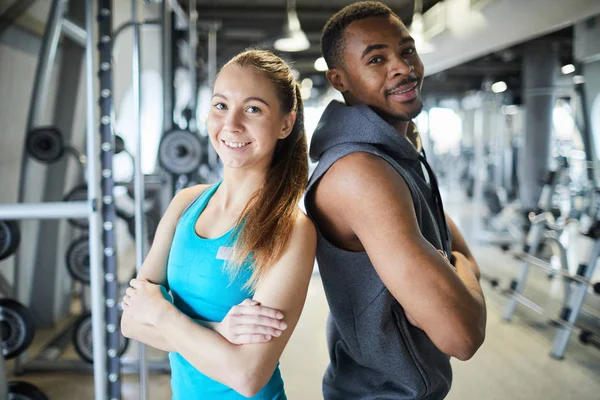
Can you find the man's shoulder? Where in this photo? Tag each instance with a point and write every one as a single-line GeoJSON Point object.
{"type": "Point", "coordinates": [360, 171]}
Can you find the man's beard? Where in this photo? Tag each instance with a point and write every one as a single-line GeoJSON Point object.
{"type": "Point", "coordinates": [391, 117]}
{"type": "Point", "coordinates": [409, 116]}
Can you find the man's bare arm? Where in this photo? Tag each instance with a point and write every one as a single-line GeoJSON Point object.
{"type": "Point", "coordinates": [363, 194]}
{"type": "Point", "coordinates": [460, 245]}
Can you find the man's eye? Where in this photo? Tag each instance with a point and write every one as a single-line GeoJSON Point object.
{"type": "Point", "coordinates": [376, 60]}
{"type": "Point", "coordinates": [410, 51]}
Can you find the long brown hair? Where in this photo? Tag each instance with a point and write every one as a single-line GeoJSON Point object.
{"type": "Point", "coordinates": [264, 228]}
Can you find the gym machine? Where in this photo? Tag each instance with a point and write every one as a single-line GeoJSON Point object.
{"type": "Point", "coordinates": [546, 226]}
{"type": "Point", "coordinates": [76, 209]}
{"type": "Point", "coordinates": [577, 285]}
{"type": "Point", "coordinates": [183, 151]}
{"type": "Point", "coordinates": [81, 206]}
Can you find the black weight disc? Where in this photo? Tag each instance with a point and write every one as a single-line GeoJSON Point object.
{"type": "Point", "coordinates": [180, 152]}
{"type": "Point", "coordinates": [82, 339]}
{"type": "Point", "coordinates": [10, 237]}
{"type": "Point", "coordinates": [16, 328]}
{"type": "Point", "coordinates": [19, 390]}
{"type": "Point", "coordinates": [78, 260]}
{"type": "Point", "coordinates": [45, 144]}
{"type": "Point", "coordinates": [78, 193]}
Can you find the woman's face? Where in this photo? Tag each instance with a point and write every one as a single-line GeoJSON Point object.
{"type": "Point", "coordinates": [245, 119]}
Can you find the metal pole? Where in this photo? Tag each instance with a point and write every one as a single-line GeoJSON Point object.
{"type": "Point", "coordinates": [45, 65]}
{"type": "Point", "coordinates": [129, 24]}
{"type": "Point", "coordinates": [56, 210]}
{"type": "Point", "coordinates": [109, 240]}
{"type": "Point", "coordinates": [138, 179]}
{"type": "Point", "coordinates": [532, 241]}
{"type": "Point", "coordinates": [212, 74]}
{"type": "Point", "coordinates": [585, 129]}
{"type": "Point", "coordinates": [561, 340]}
{"type": "Point", "coordinates": [167, 83]}
{"type": "Point", "coordinates": [74, 32]}
{"type": "Point", "coordinates": [98, 334]}
{"type": "Point", "coordinates": [39, 93]}
{"type": "Point", "coordinates": [478, 125]}
{"type": "Point", "coordinates": [167, 66]}
{"type": "Point", "coordinates": [193, 40]}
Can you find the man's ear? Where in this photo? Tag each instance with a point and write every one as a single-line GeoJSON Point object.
{"type": "Point", "coordinates": [337, 79]}
{"type": "Point", "coordinates": [288, 124]}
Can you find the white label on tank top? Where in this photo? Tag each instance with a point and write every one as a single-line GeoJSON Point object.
{"type": "Point", "coordinates": [223, 253]}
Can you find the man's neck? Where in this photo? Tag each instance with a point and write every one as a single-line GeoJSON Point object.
{"type": "Point", "coordinates": [406, 129]}
{"type": "Point", "coordinates": [409, 130]}
{"type": "Point", "coordinates": [402, 127]}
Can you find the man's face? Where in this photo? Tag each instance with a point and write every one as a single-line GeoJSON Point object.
{"type": "Point", "coordinates": [380, 67]}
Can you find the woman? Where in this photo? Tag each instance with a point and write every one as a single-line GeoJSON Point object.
{"type": "Point", "coordinates": [242, 238]}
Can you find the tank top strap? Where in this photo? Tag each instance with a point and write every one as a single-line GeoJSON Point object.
{"type": "Point", "coordinates": [198, 204]}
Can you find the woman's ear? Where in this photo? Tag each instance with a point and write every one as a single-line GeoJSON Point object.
{"type": "Point", "coordinates": [288, 124]}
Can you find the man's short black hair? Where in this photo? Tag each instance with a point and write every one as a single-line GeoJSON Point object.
{"type": "Point", "coordinates": [332, 37]}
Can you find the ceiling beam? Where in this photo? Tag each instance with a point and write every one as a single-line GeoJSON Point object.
{"type": "Point", "coordinates": [278, 13]}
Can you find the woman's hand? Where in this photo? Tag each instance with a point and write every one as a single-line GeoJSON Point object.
{"type": "Point", "coordinates": [462, 262]}
{"type": "Point", "coordinates": [249, 322]}
{"type": "Point", "coordinates": [144, 301]}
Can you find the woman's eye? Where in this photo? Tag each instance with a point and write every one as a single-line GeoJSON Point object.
{"type": "Point", "coordinates": [220, 106]}
{"type": "Point", "coordinates": [375, 60]}
{"type": "Point", "coordinates": [253, 109]}
{"type": "Point", "coordinates": [410, 51]}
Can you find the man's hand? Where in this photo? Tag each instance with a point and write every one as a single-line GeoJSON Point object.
{"type": "Point", "coordinates": [249, 322]}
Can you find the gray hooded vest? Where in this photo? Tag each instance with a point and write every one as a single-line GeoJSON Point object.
{"type": "Point", "coordinates": [375, 353]}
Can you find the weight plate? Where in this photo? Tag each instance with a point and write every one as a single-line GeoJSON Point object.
{"type": "Point", "coordinates": [19, 390]}
{"type": "Point", "coordinates": [78, 193]}
{"type": "Point", "coordinates": [82, 339]}
{"type": "Point", "coordinates": [78, 260]}
{"type": "Point", "coordinates": [10, 237]}
{"type": "Point", "coordinates": [180, 152]}
{"type": "Point", "coordinates": [45, 144]}
{"type": "Point", "coordinates": [16, 328]}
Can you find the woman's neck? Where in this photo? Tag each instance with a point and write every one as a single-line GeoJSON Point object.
{"type": "Point", "coordinates": [238, 187]}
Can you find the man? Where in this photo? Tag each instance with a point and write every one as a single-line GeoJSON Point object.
{"type": "Point", "coordinates": [399, 308]}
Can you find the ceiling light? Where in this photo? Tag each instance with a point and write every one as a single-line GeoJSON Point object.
{"type": "Point", "coordinates": [510, 110]}
{"type": "Point", "coordinates": [305, 93]}
{"type": "Point", "coordinates": [568, 69]}
{"type": "Point", "coordinates": [294, 39]}
{"type": "Point", "coordinates": [499, 87]}
{"type": "Point", "coordinates": [321, 64]}
{"type": "Point", "coordinates": [307, 83]}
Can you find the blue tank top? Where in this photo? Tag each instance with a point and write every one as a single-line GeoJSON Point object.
{"type": "Point", "coordinates": [203, 289]}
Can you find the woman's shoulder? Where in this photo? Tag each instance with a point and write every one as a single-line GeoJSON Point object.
{"type": "Point", "coordinates": [184, 197]}
{"type": "Point", "coordinates": [304, 229]}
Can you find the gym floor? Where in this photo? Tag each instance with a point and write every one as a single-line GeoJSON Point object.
{"type": "Point", "coordinates": [513, 363]}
